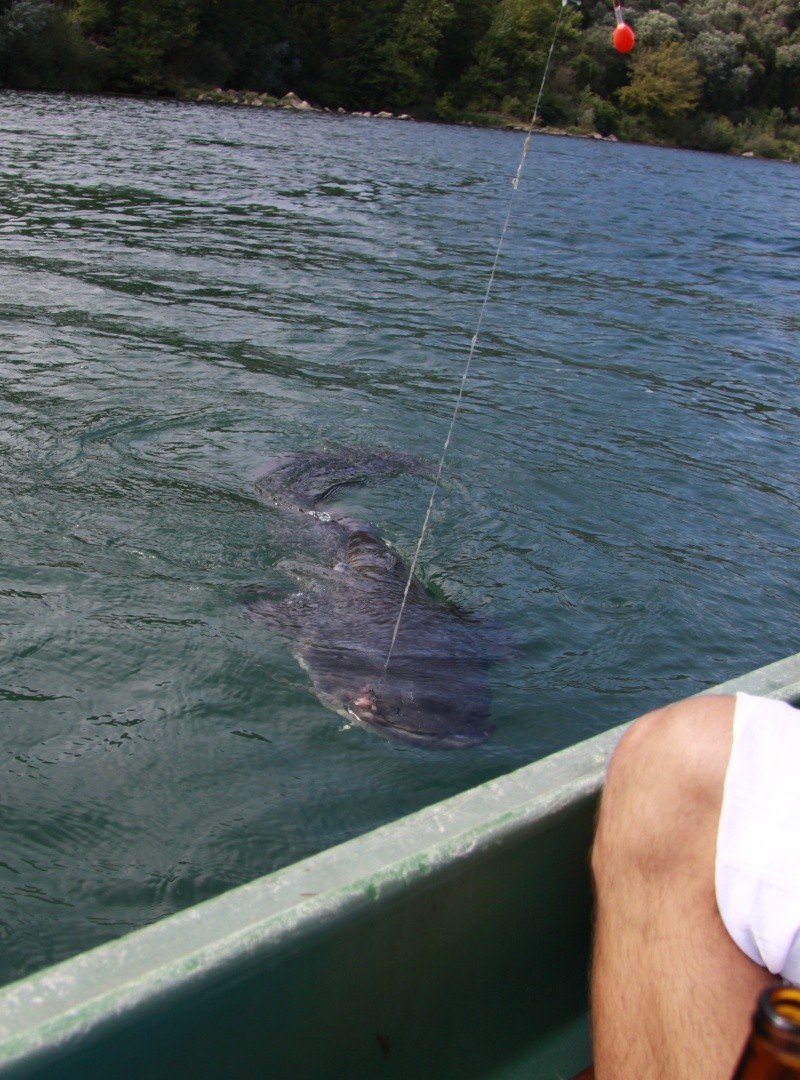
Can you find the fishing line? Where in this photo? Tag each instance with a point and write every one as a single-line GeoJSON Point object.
{"type": "Point", "coordinates": [475, 337]}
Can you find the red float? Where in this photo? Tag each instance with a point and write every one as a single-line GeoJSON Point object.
{"type": "Point", "coordinates": [623, 38]}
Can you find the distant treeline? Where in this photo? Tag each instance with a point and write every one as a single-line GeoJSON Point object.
{"type": "Point", "coordinates": [713, 74]}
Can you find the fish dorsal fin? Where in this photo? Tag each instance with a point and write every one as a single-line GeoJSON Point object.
{"type": "Point", "coordinates": [371, 556]}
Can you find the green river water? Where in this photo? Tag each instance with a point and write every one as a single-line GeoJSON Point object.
{"type": "Point", "coordinates": [188, 290]}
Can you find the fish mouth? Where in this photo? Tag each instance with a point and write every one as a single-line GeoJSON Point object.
{"type": "Point", "coordinates": [443, 739]}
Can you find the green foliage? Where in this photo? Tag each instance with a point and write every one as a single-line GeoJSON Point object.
{"type": "Point", "coordinates": [148, 35]}
{"type": "Point", "coordinates": [93, 16]}
{"type": "Point", "coordinates": [597, 114]}
{"type": "Point", "coordinates": [471, 20]}
{"type": "Point", "coordinates": [408, 57]}
{"type": "Point", "coordinates": [719, 74]}
{"type": "Point", "coordinates": [41, 49]}
{"type": "Point", "coordinates": [712, 133]}
{"type": "Point", "coordinates": [597, 65]}
{"type": "Point", "coordinates": [242, 43]}
{"type": "Point", "coordinates": [736, 46]}
{"type": "Point", "coordinates": [509, 59]}
{"type": "Point", "coordinates": [665, 82]}
{"type": "Point", "coordinates": [656, 28]}
{"type": "Point", "coordinates": [766, 134]}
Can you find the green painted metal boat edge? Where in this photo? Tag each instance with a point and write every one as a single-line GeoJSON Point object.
{"type": "Point", "coordinates": [417, 909]}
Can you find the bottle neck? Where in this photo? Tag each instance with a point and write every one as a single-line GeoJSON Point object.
{"type": "Point", "coordinates": [773, 1049]}
{"type": "Point", "coordinates": [778, 1015]}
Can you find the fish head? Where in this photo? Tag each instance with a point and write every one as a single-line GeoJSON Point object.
{"type": "Point", "coordinates": [429, 707]}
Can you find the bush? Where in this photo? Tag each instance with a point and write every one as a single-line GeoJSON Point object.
{"type": "Point", "coordinates": [766, 134]}
{"type": "Point", "coordinates": [205, 64]}
{"type": "Point", "coordinates": [766, 145]}
{"type": "Point", "coordinates": [715, 133]}
{"type": "Point", "coordinates": [40, 49]}
{"type": "Point", "coordinates": [597, 114]}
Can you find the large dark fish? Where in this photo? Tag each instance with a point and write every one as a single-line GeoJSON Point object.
{"type": "Point", "coordinates": [435, 691]}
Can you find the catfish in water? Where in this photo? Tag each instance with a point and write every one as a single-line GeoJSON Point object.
{"type": "Point", "coordinates": [435, 691]}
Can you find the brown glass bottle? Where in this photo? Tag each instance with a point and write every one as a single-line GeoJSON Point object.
{"type": "Point", "coordinates": [773, 1050]}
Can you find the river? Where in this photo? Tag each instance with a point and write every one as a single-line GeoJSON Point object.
{"type": "Point", "coordinates": [187, 290]}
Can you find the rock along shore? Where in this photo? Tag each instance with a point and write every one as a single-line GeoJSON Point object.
{"type": "Point", "coordinates": [294, 102]}
{"type": "Point", "coordinates": [288, 101]}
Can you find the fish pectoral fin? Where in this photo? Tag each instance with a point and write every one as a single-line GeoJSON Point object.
{"type": "Point", "coordinates": [275, 607]}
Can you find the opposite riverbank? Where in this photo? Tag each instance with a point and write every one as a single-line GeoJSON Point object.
{"type": "Point", "coordinates": [293, 102]}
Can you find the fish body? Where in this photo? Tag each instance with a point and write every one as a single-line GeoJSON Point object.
{"type": "Point", "coordinates": [435, 690]}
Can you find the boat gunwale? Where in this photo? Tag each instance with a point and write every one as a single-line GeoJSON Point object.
{"type": "Point", "coordinates": [92, 992]}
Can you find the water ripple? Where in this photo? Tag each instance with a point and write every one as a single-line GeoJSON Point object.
{"type": "Point", "coordinates": [187, 291]}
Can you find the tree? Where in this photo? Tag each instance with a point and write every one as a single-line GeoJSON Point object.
{"type": "Point", "coordinates": [656, 28]}
{"type": "Point", "coordinates": [510, 58]}
{"type": "Point", "coordinates": [737, 46]}
{"type": "Point", "coordinates": [148, 33]}
{"type": "Point", "coordinates": [665, 83]}
{"type": "Point", "coordinates": [718, 73]}
{"type": "Point", "coordinates": [40, 49]}
{"type": "Point", "coordinates": [471, 20]}
{"type": "Point", "coordinates": [409, 57]}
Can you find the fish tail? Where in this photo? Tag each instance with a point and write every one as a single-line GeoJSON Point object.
{"type": "Point", "coordinates": [305, 478]}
